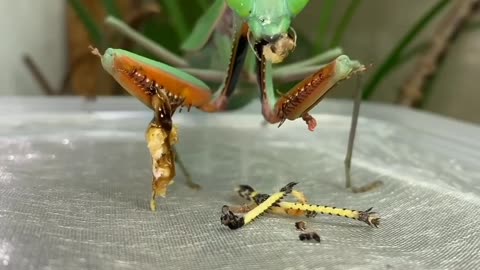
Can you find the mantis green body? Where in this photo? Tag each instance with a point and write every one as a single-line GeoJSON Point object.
{"type": "Point", "coordinates": [268, 19]}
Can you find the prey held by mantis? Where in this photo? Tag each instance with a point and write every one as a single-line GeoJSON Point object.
{"type": "Point", "coordinates": [265, 34]}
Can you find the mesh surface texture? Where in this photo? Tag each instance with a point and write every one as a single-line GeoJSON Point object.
{"type": "Point", "coordinates": [75, 190]}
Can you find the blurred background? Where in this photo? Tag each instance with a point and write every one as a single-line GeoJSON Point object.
{"type": "Point", "coordinates": [424, 54]}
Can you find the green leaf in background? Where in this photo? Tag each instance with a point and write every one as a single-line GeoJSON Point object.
{"type": "Point", "coordinates": [344, 23]}
{"type": "Point", "coordinates": [326, 13]}
{"type": "Point", "coordinates": [112, 8]}
{"type": "Point", "coordinates": [204, 27]}
{"type": "Point", "coordinates": [176, 16]}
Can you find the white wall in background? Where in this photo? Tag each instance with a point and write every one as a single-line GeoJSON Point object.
{"type": "Point", "coordinates": [33, 27]}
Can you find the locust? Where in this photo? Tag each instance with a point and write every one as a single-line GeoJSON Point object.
{"type": "Point", "coordinates": [264, 30]}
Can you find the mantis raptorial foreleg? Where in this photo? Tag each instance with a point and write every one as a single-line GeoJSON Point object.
{"type": "Point", "coordinates": [284, 74]}
{"type": "Point", "coordinates": [313, 63]}
{"type": "Point", "coordinates": [237, 59]}
{"type": "Point", "coordinates": [297, 102]}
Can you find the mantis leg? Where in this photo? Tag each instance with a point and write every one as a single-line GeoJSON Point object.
{"type": "Point", "coordinates": [301, 69]}
{"type": "Point", "coordinates": [183, 168]}
{"type": "Point", "coordinates": [351, 139]}
{"type": "Point", "coordinates": [298, 101]}
{"type": "Point", "coordinates": [237, 60]}
{"type": "Point", "coordinates": [351, 136]}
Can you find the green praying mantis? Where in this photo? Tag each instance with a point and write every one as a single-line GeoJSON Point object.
{"type": "Point", "coordinates": [265, 32]}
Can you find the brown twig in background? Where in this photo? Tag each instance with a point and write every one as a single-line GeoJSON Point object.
{"type": "Point", "coordinates": [64, 88]}
{"type": "Point", "coordinates": [412, 93]}
{"type": "Point", "coordinates": [38, 75]}
{"type": "Point", "coordinates": [140, 13]}
{"type": "Point", "coordinates": [42, 81]}
{"type": "Point", "coordinates": [145, 12]}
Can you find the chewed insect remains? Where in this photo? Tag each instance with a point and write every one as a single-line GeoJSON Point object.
{"type": "Point", "coordinates": [265, 203]}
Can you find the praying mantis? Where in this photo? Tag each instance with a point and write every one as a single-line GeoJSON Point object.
{"type": "Point", "coordinates": [265, 30]}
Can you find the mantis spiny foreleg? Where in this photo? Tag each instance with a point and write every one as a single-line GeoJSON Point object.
{"type": "Point", "coordinates": [237, 60]}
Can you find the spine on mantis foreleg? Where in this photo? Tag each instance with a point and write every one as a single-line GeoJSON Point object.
{"type": "Point", "coordinates": [234, 70]}
{"type": "Point", "coordinates": [233, 221]}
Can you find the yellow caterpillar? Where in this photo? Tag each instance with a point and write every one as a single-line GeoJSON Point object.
{"type": "Point", "coordinates": [302, 208]}
{"type": "Point", "coordinates": [233, 221]}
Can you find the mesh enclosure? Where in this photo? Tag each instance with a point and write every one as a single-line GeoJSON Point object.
{"type": "Point", "coordinates": [75, 187]}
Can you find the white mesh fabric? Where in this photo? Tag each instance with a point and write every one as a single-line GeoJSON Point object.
{"type": "Point", "coordinates": [75, 187]}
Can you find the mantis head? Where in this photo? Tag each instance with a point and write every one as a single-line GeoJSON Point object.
{"type": "Point", "coordinates": [269, 22]}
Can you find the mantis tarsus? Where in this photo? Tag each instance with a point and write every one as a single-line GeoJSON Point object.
{"type": "Point", "coordinates": [265, 29]}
